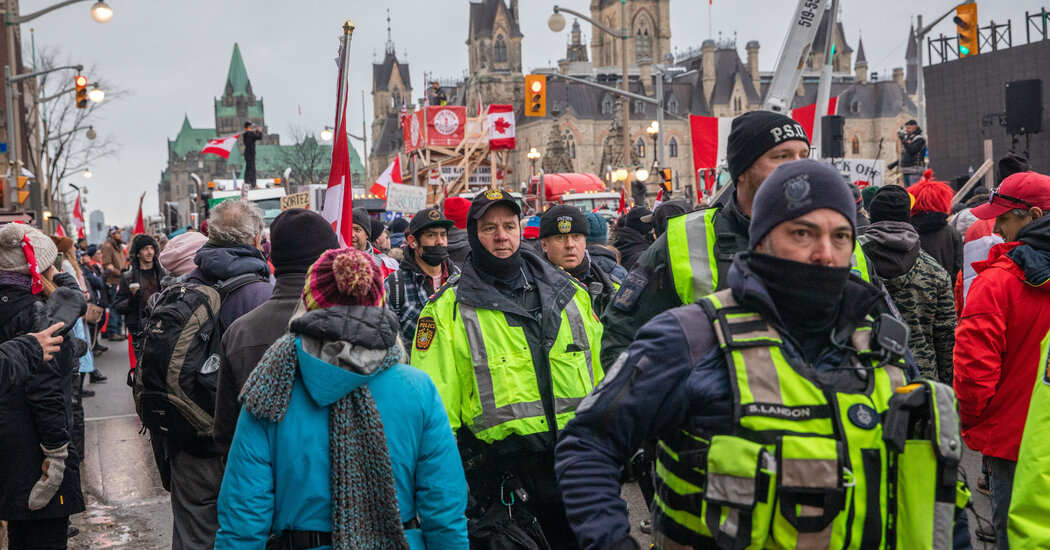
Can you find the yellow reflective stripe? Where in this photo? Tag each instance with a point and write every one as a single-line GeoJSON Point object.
{"type": "Point", "coordinates": [691, 250]}
{"type": "Point", "coordinates": [579, 334]}
{"type": "Point", "coordinates": [685, 519]}
{"type": "Point", "coordinates": [675, 483]}
{"type": "Point", "coordinates": [859, 262]}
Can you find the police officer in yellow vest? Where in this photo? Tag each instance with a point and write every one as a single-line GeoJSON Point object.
{"type": "Point", "coordinates": [781, 411]}
{"type": "Point", "coordinates": [1027, 525]}
{"type": "Point", "coordinates": [512, 346]}
{"type": "Point", "coordinates": [563, 238]}
{"type": "Point", "coordinates": [692, 258]}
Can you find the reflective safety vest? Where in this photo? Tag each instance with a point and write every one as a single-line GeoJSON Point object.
{"type": "Point", "coordinates": [1028, 526]}
{"type": "Point", "coordinates": [483, 368]}
{"type": "Point", "coordinates": [692, 241]}
{"type": "Point", "coordinates": [806, 467]}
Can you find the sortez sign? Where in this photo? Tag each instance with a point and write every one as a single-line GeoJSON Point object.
{"type": "Point", "coordinates": [297, 200]}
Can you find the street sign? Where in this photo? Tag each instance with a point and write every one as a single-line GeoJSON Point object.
{"type": "Point", "coordinates": [297, 200]}
{"type": "Point", "coordinates": [405, 198]}
{"type": "Point", "coordinates": [28, 218]}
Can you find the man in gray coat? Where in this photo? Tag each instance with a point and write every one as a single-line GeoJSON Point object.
{"type": "Point", "coordinates": [297, 238]}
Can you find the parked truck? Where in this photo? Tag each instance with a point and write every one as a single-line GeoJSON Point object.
{"type": "Point", "coordinates": [582, 190]}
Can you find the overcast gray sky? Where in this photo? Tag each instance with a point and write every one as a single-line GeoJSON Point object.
{"type": "Point", "coordinates": [172, 55]}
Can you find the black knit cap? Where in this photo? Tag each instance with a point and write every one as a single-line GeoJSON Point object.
{"type": "Point", "coordinates": [633, 219]}
{"type": "Point", "coordinates": [362, 218]}
{"type": "Point", "coordinates": [795, 189]}
{"type": "Point", "coordinates": [141, 241]}
{"type": "Point", "coordinates": [563, 220]}
{"type": "Point", "coordinates": [756, 132]}
{"type": "Point", "coordinates": [891, 203]}
{"type": "Point", "coordinates": [298, 237]}
{"type": "Point", "coordinates": [376, 230]}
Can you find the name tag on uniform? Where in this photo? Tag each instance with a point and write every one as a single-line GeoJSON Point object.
{"type": "Point", "coordinates": [631, 290]}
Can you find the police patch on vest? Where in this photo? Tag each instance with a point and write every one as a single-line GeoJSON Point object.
{"type": "Point", "coordinates": [425, 330]}
{"type": "Point", "coordinates": [631, 289]}
{"type": "Point", "coordinates": [782, 411]}
{"type": "Point", "coordinates": [564, 224]}
{"type": "Point", "coordinates": [863, 416]}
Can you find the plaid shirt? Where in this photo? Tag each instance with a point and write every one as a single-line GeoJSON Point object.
{"type": "Point", "coordinates": [407, 291]}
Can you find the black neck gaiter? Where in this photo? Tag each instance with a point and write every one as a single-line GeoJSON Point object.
{"type": "Point", "coordinates": [582, 271]}
{"type": "Point", "coordinates": [485, 262]}
{"type": "Point", "coordinates": [807, 296]}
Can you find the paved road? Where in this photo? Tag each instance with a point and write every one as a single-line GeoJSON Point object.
{"type": "Point", "coordinates": [128, 508]}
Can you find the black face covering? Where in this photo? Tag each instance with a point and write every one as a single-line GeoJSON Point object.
{"type": "Point", "coordinates": [484, 261]}
{"type": "Point", "coordinates": [583, 270]}
{"type": "Point", "coordinates": [807, 296]}
{"type": "Point", "coordinates": [433, 255]}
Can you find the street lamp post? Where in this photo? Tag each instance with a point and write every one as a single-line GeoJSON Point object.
{"type": "Point", "coordinates": [533, 156]}
{"type": "Point", "coordinates": [557, 22]}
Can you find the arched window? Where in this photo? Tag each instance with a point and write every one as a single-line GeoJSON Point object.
{"type": "Point", "coordinates": [672, 148]}
{"type": "Point", "coordinates": [855, 145]}
{"type": "Point", "coordinates": [639, 108]}
{"type": "Point", "coordinates": [642, 44]}
{"type": "Point", "coordinates": [570, 144]}
{"type": "Point", "coordinates": [607, 105]}
{"type": "Point", "coordinates": [737, 104]}
{"type": "Point", "coordinates": [854, 107]}
{"type": "Point", "coordinates": [395, 98]}
{"type": "Point", "coordinates": [500, 50]}
{"type": "Point", "coordinates": [672, 105]}
{"type": "Point", "coordinates": [640, 146]}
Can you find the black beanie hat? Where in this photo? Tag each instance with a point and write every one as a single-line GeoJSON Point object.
{"type": "Point", "coordinates": [141, 241]}
{"type": "Point", "coordinates": [298, 237]}
{"type": "Point", "coordinates": [756, 132]}
{"type": "Point", "coordinates": [377, 229]}
{"type": "Point", "coordinates": [563, 219]}
{"type": "Point", "coordinates": [399, 225]}
{"type": "Point", "coordinates": [795, 189]}
{"type": "Point", "coordinates": [362, 218]}
{"type": "Point", "coordinates": [633, 220]}
{"type": "Point", "coordinates": [891, 203]}
{"type": "Point", "coordinates": [1012, 163]}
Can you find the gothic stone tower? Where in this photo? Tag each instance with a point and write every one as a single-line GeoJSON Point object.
{"type": "Point", "coordinates": [494, 48]}
{"type": "Point", "coordinates": [238, 104]}
{"type": "Point", "coordinates": [390, 85]}
{"type": "Point", "coordinates": [649, 23]}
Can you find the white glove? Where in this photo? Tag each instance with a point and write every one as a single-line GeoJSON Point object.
{"type": "Point", "coordinates": [54, 468]}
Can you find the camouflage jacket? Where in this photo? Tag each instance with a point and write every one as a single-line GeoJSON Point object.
{"type": "Point", "coordinates": [926, 302]}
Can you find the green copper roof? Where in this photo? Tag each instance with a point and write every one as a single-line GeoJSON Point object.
{"type": "Point", "coordinates": [231, 111]}
{"type": "Point", "coordinates": [189, 139]}
{"type": "Point", "coordinates": [238, 75]}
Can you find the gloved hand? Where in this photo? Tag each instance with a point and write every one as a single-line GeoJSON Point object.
{"type": "Point", "coordinates": [626, 543]}
{"type": "Point", "coordinates": [54, 468]}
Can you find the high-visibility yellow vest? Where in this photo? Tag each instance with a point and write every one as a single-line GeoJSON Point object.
{"type": "Point", "coordinates": [483, 369]}
{"type": "Point", "coordinates": [1027, 526]}
{"type": "Point", "coordinates": [691, 245]}
{"type": "Point", "coordinates": [805, 467]}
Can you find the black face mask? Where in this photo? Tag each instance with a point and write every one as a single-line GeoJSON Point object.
{"type": "Point", "coordinates": [807, 296]}
{"type": "Point", "coordinates": [484, 261]}
{"type": "Point", "coordinates": [433, 255]}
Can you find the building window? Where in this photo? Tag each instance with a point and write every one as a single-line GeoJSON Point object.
{"type": "Point", "coordinates": [672, 105]}
{"type": "Point", "coordinates": [500, 53]}
{"type": "Point", "coordinates": [642, 44]}
{"type": "Point", "coordinates": [640, 146]}
{"type": "Point", "coordinates": [639, 108]}
{"type": "Point", "coordinates": [672, 148]}
{"type": "Point", "coordinates": [737, 104]}
{"type": "Point", "coordinates": [607, 105]}
{"type": "Point", "coordinates": [854, 107]}
{"type": "Point", "coordinates": [855, 145]}
{"type": "Point", "coordinates": [395, 98]}
{"type": "Point", "coordinates": [570, 144]}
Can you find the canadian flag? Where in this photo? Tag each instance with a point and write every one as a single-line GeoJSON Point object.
{"type": "Point", "coordinates": [392, 174]}
{"type": "Point", "coordinates": [221, 146]}
{"type": "Point", "coordinates": [59, 230]}
{"type": "Point", "coordinates": [710, 134]}
{"type": "Point", "coordinates": [339, 197]}
{"type": "Point", "coordinates": [140, 226]}
{"type": "Point", "coordinates": [659, 199]}
{"type": "Point", "coordinates": [78, 218]}
{"type": "Point", "coordinates": [501, 127]}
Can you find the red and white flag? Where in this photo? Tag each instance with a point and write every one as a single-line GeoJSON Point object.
{"type": "Point", "coordinates": [140, 226]}
{"type": "Point", "coordinates": [392, 174]}
{"type": "Point", "coordinates": [78, 218]}
{"type": "Point", "coordinates": [404, 113]}
{"type": "Point", "coordinates": [59, 230]}
{"type": "Point", "coordinates": [221, 146]}
{"type": "Point", "coordinates": [501, 127]}
{"type": "Point", "coordinates": [659, 199]}
{"type": "Point", "coordinates": [339, 197]}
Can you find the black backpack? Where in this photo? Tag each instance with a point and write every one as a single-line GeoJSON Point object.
{"type": "Point", "coordinates": [178, 367]}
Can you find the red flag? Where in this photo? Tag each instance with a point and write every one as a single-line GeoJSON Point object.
{"type": "Point", "coordinates": [339, 197]}
{"type": "Point", "coordinates": [623, 202]}
{"type": "Point", "coordinates": [221, 146]}
{"type": "Point", "coordinates": [59, 230]}
{"type": "Point", "coordinates": [501, 127]}
{"type": "Point", "coordinates": [78, 218]}
{"type": "Point", "coordinates": [392, 174]}
{"type": "Point", "coordinates": [806, 114]}
{"type": "Point", "coordinates": [140, 226]}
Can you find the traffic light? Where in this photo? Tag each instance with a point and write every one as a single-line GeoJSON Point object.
{"type": "Point", "coordinates": [80, 82]}
{"type": "Point", "coordinates": [22, 190]}
{"type": "Point", "coordinates": [966, 27]}
{"type": "Point", "coordinates": [668, 179]}
{"type": "Point", "coordinates": [536, 95]}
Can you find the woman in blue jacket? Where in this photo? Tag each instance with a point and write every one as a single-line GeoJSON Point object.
{"type": "Point", "coordinates": [338, 444]}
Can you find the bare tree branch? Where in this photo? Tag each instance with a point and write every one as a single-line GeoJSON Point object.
{"type": "Point", "coordinates": [307, 158]}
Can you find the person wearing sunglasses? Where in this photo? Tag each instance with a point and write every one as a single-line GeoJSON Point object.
{"type": "Point", "coordinates": [1001, 346]}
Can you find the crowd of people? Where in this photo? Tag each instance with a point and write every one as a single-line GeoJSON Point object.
{"type": "Point", "coordinates": [780, 369]}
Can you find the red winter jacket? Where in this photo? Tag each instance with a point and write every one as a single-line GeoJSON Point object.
{"type": "Point", "coordinates": [997, 350]}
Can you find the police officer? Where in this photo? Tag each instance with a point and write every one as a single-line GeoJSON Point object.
{"type": "Point", "coordinates": [692, 258]}
{"type": "Point", "coordinates": [512, 346]}
{"type": "Point", "coordinates": [563, 236]}
{"type": "Point", "coordinates": [771, 403]}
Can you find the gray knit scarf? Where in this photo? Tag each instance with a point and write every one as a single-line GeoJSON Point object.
{"type": "Point", "coordinates": [364, 498]}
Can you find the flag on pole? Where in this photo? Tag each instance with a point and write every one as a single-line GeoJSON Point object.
{"type": "Point", "coordinates": [404, 113]}
{"type": "Point", "coordinates": [78, 218]}
{"type": "Point", "coordinates": [221, 146]}
{"type": "Point", "coordinates": [339, 197]}
{"type": "Point", "coordinates": [501, 127]}
{"type": "Point", "coordinates": [59, 230]}
{"type": "Point", "coordinates": [659, 199]}
{"type": "Point", "coordinates": [392, 174]}
{"type": "Point", "coordinates": [140, 226]}
{"type": "Point", "coordinates": [622, 209]}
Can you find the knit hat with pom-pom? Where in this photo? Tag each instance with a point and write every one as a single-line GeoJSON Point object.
{"type": "Point", "coordinates": [343, 277]}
